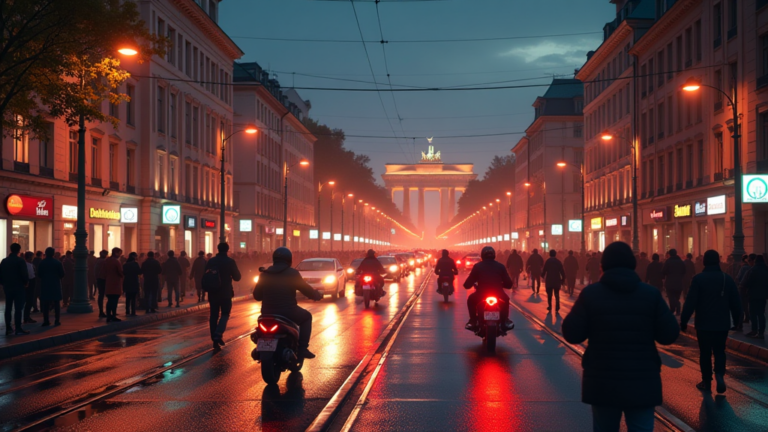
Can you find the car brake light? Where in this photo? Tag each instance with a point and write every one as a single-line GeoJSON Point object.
{"type": "Point", "coordinates": [468, 263]}
{"type": "Point", "coordinates": [367, 278]}
{"type": "Point", "coordinates": [458, 262]}
{"type": "Point", "coordinates": [491, 301]}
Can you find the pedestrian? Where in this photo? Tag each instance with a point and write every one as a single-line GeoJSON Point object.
{"type": "Point", "coordinates": [29, 291]}
{"type": "Point", "coordinates": [51, 272]}
{"type": "Point", "coordinates": [14, 277]}
{"type": "Point", "coordinates": [36, 262]}
{"type": "Point", "coordinates": [593, 268]}
{"type": "Point", "coordinates": [196, 274]}
{"type": "Point", "coordinates": [131, 273]}
{"type": "Point", "coordinates": [714, 298]}
{"type": "Point", "coordinates": [515, 267]}
{"type": "Point", "coordinates": [755, 286]}
{"type": "Point", "coordinates": [68, 286]}
{"type": "Point", "coordinates": [642, 265]}
{"type": "Point", "coordinates": [92, 287]}
{"type": "Point", "coordinates": [623, 319]}
{"type": "Point", "coordinates": [747, 262]}
{"type": "Point", "coordinates": [101, 281]}
{"type": "Point", "coordinates": [534, 266]}
{"type": "Point", "coordinates": [184, 263]}
{"type": "Point", "coordinates": [151, 270]}
{"type": "Point", "coordinates": [554, 276]}
{"type": "Point", "coordinates": [699, 264]}
{"type": "Point", "coordinates": [171, 274]}
{"type": "Point", "coordinates": [571, 267]}
{"type": "Point", "coordinates": [654, 273]}
{"type": "Point", "coordinates": [674, 273]}
{"type": "Point", "coordinates": [113, 277]}
{"type": "Point", "coordinates": [221, 297]}
{"type": "Point", "coordinates": [690, 272]}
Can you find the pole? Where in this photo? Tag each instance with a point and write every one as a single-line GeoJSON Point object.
{"type": "Point", "coordinates": [354, 213]}
{"type": "Point", "coordinates": [342, 222]}
{"type": "Point", "coordinates": [331, 220]}
{"type": "Point", "coordinates": [80, 303]}
{"type": "Point", "coordinates": [285, 206]}
{"type": "Point", "coordinates": [319, 228]}
{"type": "Point", "coordinates": [222, 233]}
{"type": "Point", "coordinates": [544, 184]}
{"type": "Point", "coordinates": [738, 234]}
{"type": "Point", "coordinates": [509, 216]}
{"type": "Point", "coordinates": [583, 223]}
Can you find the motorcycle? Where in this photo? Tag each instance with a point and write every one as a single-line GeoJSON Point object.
{"type": "Point", "coordinates": [445, 287]}
{"type": "Point", "coordinates": [366, 287]}
{"type": "Point", "coordinates": [489, 322]}
{"type": "Point", "coordinates": [277, 345]}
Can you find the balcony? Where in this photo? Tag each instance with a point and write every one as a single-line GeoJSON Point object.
{"type": "Point", "coordinates": [115, 186]}
{"type": "Point", "coordinates": [73, 177]}
{"type": "Point", "coordinates": [660, 191]}
{"type": "Point", "coordinates": [718, 176]}
{"type": "Point", "coordinates": [21, 167]}
{"type": "Point", "coordinates": [130, 189]}
{"type": "Point", "coordinates": [669, 189]}
{"type": "Point", "coordinates": [762, 82]}
{"type": "Point", "coordinates": [95, 181]}
{"type": "Point", "coordinates": [643, 195]}
{"type": "Point", "coordinates": [718, 41]}
{"type": "Point", "coordinates": [688, 184]}
{"type": "Point", "coordinates": [161, 193]}
{"type": "Point", "coordinates": [732, 33]}
{"type": "Point", "coordinates": [46, 172]}
{"type": "Point", "coordinates": [173, 196]}
{"type": "Point", "coordinates": [188, 200]}
{"type": "Point", "coordinates": [718, 105]}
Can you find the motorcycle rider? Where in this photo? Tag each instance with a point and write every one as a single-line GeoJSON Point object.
{"type": "Point", "coordinates": [490, 276]}
{"type": "Point", "coordinates": [276, 289]}
{"type": "Point", "coordinates": [445, 268]}
{"type": "Point", "coordinates": [372, 266]}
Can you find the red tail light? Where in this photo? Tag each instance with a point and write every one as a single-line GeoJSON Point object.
{"type": "Point", "coordinates": [261, 326]}
{"type": "Point", "coordinates": [491, 301]}
{"type": "Point", "coordinates": [458, 262]}
{"type": "Point", "coordinates": [367, 278]}
{"type": "Point", "coordinates": [264, 328]}
{"type": "Point", "coordinates": [274, 327]}
{"type": "Point", "coordinates": [468, 262]}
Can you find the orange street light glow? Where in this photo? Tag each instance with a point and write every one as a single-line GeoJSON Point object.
{"type": "Point", "coordinates": [509, 193]}
{"type": "Point", "coordinates": [526, 184]}
{"type": "Point", "coordinates": [606, 136]}
{"type": "Point", "coordinates": [691, 84]}
{"type": "Point", "coordinates": [561, 164]}
{"type": "Point", "coordinates": [304, 163]}
{"type": "Point", "coordinates": [331, 182]}
{"type": "Point", "coordinates": [127, 51]}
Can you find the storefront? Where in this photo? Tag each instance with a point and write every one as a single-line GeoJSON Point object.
{"type": "Point", "coordinates": [190, 235]}
{"type": "Point", "coordinates": [597, 234]}
{"type": "Point", "coordinates": [109, 225]}
{"type": "Point", "coordinates": [29, 222]}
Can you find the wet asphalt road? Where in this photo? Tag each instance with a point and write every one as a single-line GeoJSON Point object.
{"type": "Point", "coordinates": [222, 391]}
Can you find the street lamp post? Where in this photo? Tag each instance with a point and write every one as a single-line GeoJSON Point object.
{"type": "Point", "coordinates": [544, 200]}
{"type": "Point", "coordinates": [498, 217]}
{"type": "Point", "coordinates": [287, 169]}
{"type": "Point", "coordinates": [509, 214]}
{"type": "Point", "coordinates": [691, 85]}
{"type": "Point", "coordinates": [583, 223]}
{"type": "Point", "coordinates": [249, 129]}
{"type": "Point", "coordinates": [607, 136]}
{"type": "Point", "coordinates": [332, 183]}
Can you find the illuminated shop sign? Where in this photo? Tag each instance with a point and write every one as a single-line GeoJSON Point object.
{"type": "Point", "coordinates": [700, 208]}
{"type": "Point", "coordinates": [754, 188]}
{"type": "Point", "coordinates": [682, 210]}
{"type": "Point", "coordinates": [171, 214]}
{"type": "Point", "coordinates": [596, 223]}
{"type": "Point", "coordinates": [716, 205]}
{"type": "Point", "coordinates": [575, 225]}
{"type": "Point", "coordinates": [207, 223]}
{"type": "Point", "coordinates": [557, 229]}
{"type": "Point", "coordinates": [246, 225]}
{"type": "Point", "coordinates": [279, 231]}
{"type": "Point", "coordinates": [625, 220]}
{"type": "Point", "coordinates": [659, 214]}
{"type": "Point", "coordinates": [612, 222]}
{"type": "Point", "coordinates": [515, 236]}
{"type": "Point", "coordinates": [129, 214]}
{"type": "Point", "coordinates": [68, 212]}
{"type": "Point", "coordinates": [190, 222]}
{"type": "Point", "coordinates": [296, 233]}
{"type": "Point", "coordinates": [313, 234]}
{"type": "Point", "coordinates": [29, 206]}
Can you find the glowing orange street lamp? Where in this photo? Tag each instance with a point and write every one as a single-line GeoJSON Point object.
{"type": "Point", "coordinates": [562, 164]}
{"type": "Point", "coordinates": [606, 136]}
{"type": "Point", "coordinates": [691, 84]}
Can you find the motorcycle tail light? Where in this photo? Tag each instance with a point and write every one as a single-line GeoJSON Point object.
{"type": "Point", "coordinates": [367, 278]}
{"type": "Point", "coordinates": [267, 330]}
{"type": "Point", "coordinates": [274, 327]}
{"type": "Point", "coordinates": [491, 301]}
{"type": "Point", "coordinates": [261, 326]}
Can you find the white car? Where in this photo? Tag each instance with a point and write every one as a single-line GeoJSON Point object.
{"type": "Point", "coordinates": [325, 275]}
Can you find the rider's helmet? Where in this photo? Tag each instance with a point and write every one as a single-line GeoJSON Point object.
{"type": "Point", "coordinates": [370, 254]}
{"type": "Point", "coordinates": [488, 253]}
{"type": "Point", "coordinates": [282, 255]}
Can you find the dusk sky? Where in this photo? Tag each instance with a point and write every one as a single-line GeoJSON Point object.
{"type": "Point", "coordinates": [530, 60]}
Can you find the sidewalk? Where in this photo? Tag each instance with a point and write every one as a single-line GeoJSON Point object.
{"type": "Point", "coordinates": [78, 327]}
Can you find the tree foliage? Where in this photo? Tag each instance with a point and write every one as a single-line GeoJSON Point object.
{"type": "Point", "coordinates": [498, 179]}
{"type": "Point", "coordinates": [349, 170]}
{"type": "Point", "coordinates": [48, 46]}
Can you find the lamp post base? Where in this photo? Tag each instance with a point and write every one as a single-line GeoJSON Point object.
{"type": "Point", "coordinates": [80, 307]}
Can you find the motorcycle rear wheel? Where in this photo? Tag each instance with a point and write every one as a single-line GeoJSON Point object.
{"type": "Point", "coordinates": [490, 339]}
{"type": "Point", "coordinates": [445, 297]}
{"type": "Point", "coordinates": [270, 373]}
{"type": "Point", "coordinates": [367, 298]}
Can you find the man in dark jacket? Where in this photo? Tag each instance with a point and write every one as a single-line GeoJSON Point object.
{"type": "Point", "coordinates": [515, 267]}
{"type": "Point", "coordinates": [101, 280]}
{"type": "Point", "coordinates": [554, 277]}
{"type": "Point", "coordinates": [171, 273]}
{"type": "Point", "coordinates": [131, 273]}
{"type": "Point", "coordinates": [196, 274]}
{"type": "Point", "coordinates": [674, 273]}
{"type": "Point", "coordinates": [184, 263]}
{"type": "Point", "coordinates": [491, 278]}
{"type": "Point", "coordinates": [68, 284]}
{"type": "Point", "coordinates": [642, 266]}
{"type": "Point", "coordinates": [50, 271]}
{"type": "Point", "coordinates": [593, 268]}
{"type": "Point", "coordinates": [755, 285]}
{"type": "Point", "coordinates": [715, 299]}
{"type": "Point", "coordinates": [221, 300]}
{"type": "Point", "coordinates": [654, 273]}
{"type": "Point", "coordinates": [92, 288]}
{"type": "Point", "coordinates": [445, 268]}
{"type": "Point", "coordinates": [151, 270]}
{"type": "Point", "coordinates": [276, 290]}
{"type": "Point", "coordinates": [571, 268]}
{"type": "Point", "coordinates": [623, 319]}
{"type": "Point", "coordinates": [690, 272]}
{"type": "Point", "coordinates": [371, 265]}
{"type": "Point", "coordinates": [533, 267]}
{"type": "Point", "coordinates": [14, 277]}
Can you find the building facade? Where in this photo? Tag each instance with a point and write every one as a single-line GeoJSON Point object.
{"type": "Point", "coordinates": [282, 141]}
{"type": "Point", "coordinates": [548, 196]}
{"type": "Point", "coordinates": [153, 181]}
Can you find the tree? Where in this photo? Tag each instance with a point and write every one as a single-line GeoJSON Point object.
{"type": "Point", "coordinates": [56, 58]}
{"type": "Point", "coordinates": [498, 179]}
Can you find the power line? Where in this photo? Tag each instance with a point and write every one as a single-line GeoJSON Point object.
{"type": "Point", "coordinates": [413, 41]}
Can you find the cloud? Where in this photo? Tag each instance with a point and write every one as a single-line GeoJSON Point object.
{"type": "Point", "coordinates": [552, 53]}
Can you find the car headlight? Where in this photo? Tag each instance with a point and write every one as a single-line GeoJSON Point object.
{"type": "Point", "coordinates": [411, 262]}
{"type": "Point", "coordinates": [393, 268]}
{"type": "Point", "coordinates": [255, 279]}
{"type": "Point", "coordinates": [350, 270]}
{"type": "Point", "coordinates": [419, 260]}
{"type": "Point", "coordinates": [329, 279]}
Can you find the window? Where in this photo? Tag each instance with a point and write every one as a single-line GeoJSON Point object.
{"type": "Point", "coordinates": [643, 81]}
{"type": "Point", "coordinates": [689, 157]}
{"type": "Point", "coordinates": [651, 128]}
{"type": "Point", "coordinates": [697, 40]}
{"type": "Point", "coordinates": [670, 60]}
{"type": "Point", "coordinates": [660, 66]}
{"type": "Point", "coordinates": [719, 163]}
{"type": "Point", "coordinates": [187, 123]}
{"type": "Point", "coordinates": [577, 130]}
{"type": "Point", "coordinates": [688, 47]}
{"type": "Point", "coordinates": [680, 109]}
{"type": "Point", "coordinates": [180, 53]}
{"type": "Point", "coordinates": [212, 12]}
{"type": "Point", "coordinates": [670, 169]}
{"type": "Point", "coordinates": [732, 71]}
{"type": "Point", "coordinates": [95, 159]}
{"type": "Point", "coordinates": [680, 166]}
{"type": "Point", "coordinates": [643, 131]}
{"type": "Point", "coordinates": [130, 113]}
{"type": "Point", "coordinates": [195, 126]}
{"type": "Point", "coordinates": [161, 172]}
{"type": "Point", "coordinates": [20, 142]}
{"type": "Point", "coordinates": [661, 183]}
{"type": "Point", "coordinates": [73, 139]}
{"type": "Point", "coordinates": [717, 94]}
{"type": "Point", "coordinates": [114, 110]}
{"type": "Point", "coordinates": [762, 136]}
{"type": "Point", "coordinates": [763, 57]}
{"type": "Point", "coordinates": [717, 23]}
{"type": "Point", "coordinates": [130, 167]}
{"type": "Point", "coordinates": [113, 163]}
{"type": "Point", "coordinates": [733, 18]}
{"type": "Point", "coordinates": [700, 158]}
{"type": "Point", "coordinates": [651, 175]}
{"type": "Point", "coordinates": [160, 27]}
{"type": "Point", "coordinates": [160, 109]}
{"type": "Point", "coordinates": [188, 59]}
{"type": "Point", "coordinates": [679, 46]}
{"type": "Point", "coordinates": [661, 118]}
{"type": "Point", "coordinates": [174, 119]}
{"type": "Point", "coordinates": [651, 72]}
{"type": "Point", "coordinates": [172, 175]}
{"type": "Point", "coordinates": [171, 53]}
{"type": "Point", "coordinates": [195, 71]}
{"type": "Point", "coordinates": [46, 148]}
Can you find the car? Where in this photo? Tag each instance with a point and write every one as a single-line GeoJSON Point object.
{"type": "Point", "coordinates": [469, 261]}
{"type": "Point", "coordinates": [263, 266]}
{"type": "Point", "coordinates": [325, 275]}
{"type": "Point", "coordinates": [394, 271]}
{"type": "Point", "coordinates": [352, 268]}
{"type": "Point", "coordinates": [409, 260]}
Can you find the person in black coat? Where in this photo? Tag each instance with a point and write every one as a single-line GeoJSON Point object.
{"type": "Point", "coordinates": [14, 277]}
{"type": "Point", "coordinates": [690, 272]}
{"type": "Point", "coordinates": [491, 278]}
{"type": "Point", "coordinates": [51, 272]}
{"type": "Point", "coordinates": [445, 268]}
{"type": "Point", "coordinates": [674, 274]}
{"type": "Point", "coordinates": [151, 271]}
{"type": "Point", "coordinates": [623, 319]}
{"type": "Point", "coordinates": [515, 267]}
{"type": "Point", "coordinates": [755, 285]}
{"type": "Point", "coordinates": [276, 290]}
{"type": "Point", "coordinates": [654, 274]}
{"type": "Point", "coordinates": [372, 266]}
{"type": "Point", "coordinates": [533, 266]}
{"type": "Point", "coordinates": [221, 300]}
{"type": "Point", "coordinates": [715, 299]}
{"type": "Point", "coordinates": [131, 273]}
{"type": "Point", "coordinates": [196, 274]}
{"type": "Point", "coordinates": [172, 273]}
{"type": "Point", "coordinates": [571, 267]}
{"type": "Point", "coordinates": [554, 277]}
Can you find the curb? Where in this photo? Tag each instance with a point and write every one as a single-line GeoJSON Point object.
{"type": "Point", "coordinates": [19, 349]}
{"type": "Point", "coordinates": [744, 348]}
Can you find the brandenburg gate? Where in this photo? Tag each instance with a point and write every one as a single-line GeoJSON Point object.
{"type": "Point", "coordinates": [430, 174]}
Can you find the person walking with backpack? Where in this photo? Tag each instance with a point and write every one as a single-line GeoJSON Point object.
{"type": "Point", "coordinates": [715, 299]}
{"type": "Point", "coordinates": [220, 271]}
{"type": "Point", "coordinates": [131, 272]}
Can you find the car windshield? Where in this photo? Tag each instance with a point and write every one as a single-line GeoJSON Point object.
{"type": "Point", "coordinates": [356, 263]}
{"type": "Point", "coordinates": [387, 260]}
{"type": "Point", "coordinates": [473, 259]}
{"type": "Point", "coordinates": [316, 266]}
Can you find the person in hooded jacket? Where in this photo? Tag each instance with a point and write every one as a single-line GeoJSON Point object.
{"type": "Point", "coordinates": [715, 299]}
{"type": "Point", "coordinates": [654, 274]}
{"type": "Point", "coordinates": [276, 290]}
{"type": "Point", "coordinates": [515, 267]}
{"type": "Point", "coordinates": [623, 319]}
{"type": "Point", "coordinates": [554, 276]}
{"type": "Point", "coordinates": [674, 274]}
{"type": "Point", "coordinates": [571, 268]}
{"type": "Point", "coordinates": [755, 285]}
{"type": "Point", "coordinates": [131, 273]}
{"type": "Point", "coordinates": [151, 270]}
{"type": "Point", "coordinates": [172, 273]}
{"type": "Point", "coordinates": [221, 300]}
{"type": "Point", "coordinates": [445, 268]}
{"type": "Point", "coordinates": [533, 266]}
{"type": "Point", "coordinates": [491, 278]}
{"type": "Point", "coordinates": [642, 266]}
{"type": "Point", "coordinates": [371, 265]}
{"type": "Point", "coordinates": [51, 272]}
{"type": "Point", "coordinates": [196, 274]}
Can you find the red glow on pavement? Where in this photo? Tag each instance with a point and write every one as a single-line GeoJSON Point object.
{"type": "Point", "coordinates": [494, 404]}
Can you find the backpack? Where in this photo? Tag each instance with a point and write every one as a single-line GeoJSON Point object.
{"type": "Point", "coordinates": [211, 282]}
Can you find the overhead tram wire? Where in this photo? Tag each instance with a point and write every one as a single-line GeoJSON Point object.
{"type": "Point", "coordinates": [373, 76]}
{"type": "Point", "coordinates": [413, 41]}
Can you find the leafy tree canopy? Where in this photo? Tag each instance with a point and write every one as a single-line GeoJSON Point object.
{"type": "Point", "coordinates": [498, 179]}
